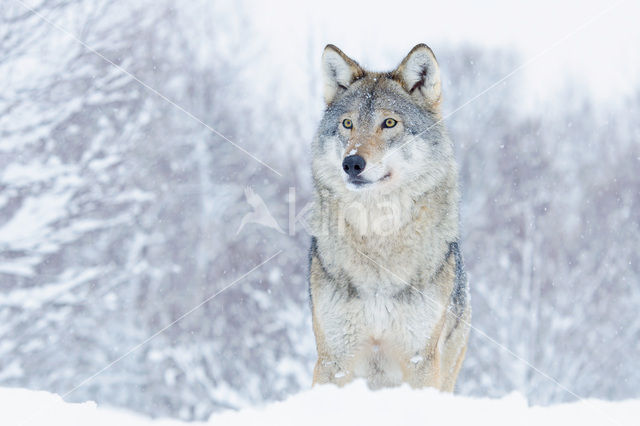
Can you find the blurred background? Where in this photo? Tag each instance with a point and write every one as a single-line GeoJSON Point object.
{"type": "Point", "coordinates": [120, 208]}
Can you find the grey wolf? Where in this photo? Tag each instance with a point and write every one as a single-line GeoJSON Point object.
{"type": "Point", "coordinates": [388, 291]}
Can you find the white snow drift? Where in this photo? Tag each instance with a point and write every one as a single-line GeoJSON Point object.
{"type": "Point", "coordinates": [328, 405]}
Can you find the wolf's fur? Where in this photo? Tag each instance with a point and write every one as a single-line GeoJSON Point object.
{"type": "Point", "coordinates": [388, 291]}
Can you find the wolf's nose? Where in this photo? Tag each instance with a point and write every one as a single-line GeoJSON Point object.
{"type": "Point", "coordinates": [353, 165]}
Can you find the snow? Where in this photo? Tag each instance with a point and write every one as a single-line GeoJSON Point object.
{"type": "Point", "coordinates": [36, 298]}
{"type": "Point", "coordinates": [329, 405]}
{"type": "Point", "coordinates": [416, 359]}
{"type": "Point", "coordinates": [22, 407]}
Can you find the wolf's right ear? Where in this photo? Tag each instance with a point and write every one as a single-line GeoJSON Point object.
{"type": "Point", "coordinates": [339, 72]}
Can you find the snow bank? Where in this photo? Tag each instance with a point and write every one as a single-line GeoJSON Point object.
{"type": "Point", "coordinates": [22, 407]}
{"type": "Point", "coordinates": [328, 405]}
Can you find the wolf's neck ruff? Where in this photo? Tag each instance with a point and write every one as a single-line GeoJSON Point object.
{"type": "Point", "coordinates": [404, 235]}
{"type": "Point", "coordinates": [383, 275]}
{"type": "Point", "coordinates": [376, 217]}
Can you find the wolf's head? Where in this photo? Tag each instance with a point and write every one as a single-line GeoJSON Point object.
{"type": "Point", "coordinates": [381, 132]}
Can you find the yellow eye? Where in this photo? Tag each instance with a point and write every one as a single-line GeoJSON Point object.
{"type": "Point", "coordinates": [347, 124]}
{"type": "Point", "coordinates": [389, 123]}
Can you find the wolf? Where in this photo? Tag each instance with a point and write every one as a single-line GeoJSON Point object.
{"type": "Point", "coordinates": [388, 291]}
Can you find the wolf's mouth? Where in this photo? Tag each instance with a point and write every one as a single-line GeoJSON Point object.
{"type": "Point", "coordinates": [360, 181]}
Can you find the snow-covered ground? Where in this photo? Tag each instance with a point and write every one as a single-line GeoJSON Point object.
{"type": "Point", "coordinates": [328, 405]}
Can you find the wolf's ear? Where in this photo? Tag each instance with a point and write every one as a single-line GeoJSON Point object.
{"type": "Point", "coordinates": [419, 74]}
{"type": "Point", "coordinates": [339, 72]}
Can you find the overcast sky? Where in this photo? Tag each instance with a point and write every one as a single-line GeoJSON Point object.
{"type": "Point", "coordinates": [595, 43]}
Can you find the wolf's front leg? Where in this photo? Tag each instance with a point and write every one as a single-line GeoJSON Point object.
{"type": "Point", "coordinates": [336, 351]}
{"type": "Point", "coordinates": [334, 323]}
{"type": "Point", "coordinates": [335, 357]}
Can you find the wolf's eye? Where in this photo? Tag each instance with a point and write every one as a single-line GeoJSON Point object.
{"type": "Point", "coordinates": [389, 123]}
{"type": "Point", "coordinates": [347, 124]}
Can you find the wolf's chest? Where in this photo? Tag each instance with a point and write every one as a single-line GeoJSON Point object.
{"type": "Point", "coordinates": [406, 321]}
{"type": "Point", "coordinates": [384, 315]}
{"type": "Point", "coordinates": [394, 322]}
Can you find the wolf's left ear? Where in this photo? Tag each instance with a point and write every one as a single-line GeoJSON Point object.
{"type": "Point", "coordinates": [339, 72]}
{"type": "Point", "coordinates": [419, 74]}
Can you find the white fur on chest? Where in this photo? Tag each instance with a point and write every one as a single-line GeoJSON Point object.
{"type": "Point", "coordinates": [401, 324]}
{"type": "Point", "coordinates": [372, 322]}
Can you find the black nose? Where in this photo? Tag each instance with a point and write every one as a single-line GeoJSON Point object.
{"type": "Point", "coordinates": [353, 165]}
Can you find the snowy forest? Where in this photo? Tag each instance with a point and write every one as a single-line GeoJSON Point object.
{"type": "Point", "coordinates": [129, 134]}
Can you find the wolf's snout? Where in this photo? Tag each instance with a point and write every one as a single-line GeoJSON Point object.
{"type": "Point", "coordinates": [353, 165]}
